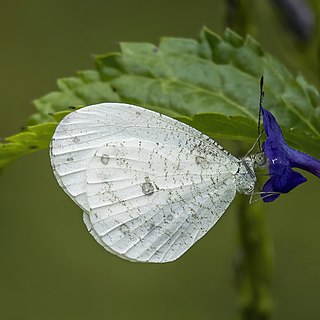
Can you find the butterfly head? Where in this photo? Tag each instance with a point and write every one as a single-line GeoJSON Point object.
{"type": "Point", "coordinates": [260, 160]}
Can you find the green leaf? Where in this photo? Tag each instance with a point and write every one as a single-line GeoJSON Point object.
{"type": "Point", "coordinates": [211, 83]}
{"type": "Point", "coordinates": [32, 139]}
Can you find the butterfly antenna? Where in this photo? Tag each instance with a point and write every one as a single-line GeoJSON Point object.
{"type": "Point", "coordinates": [260, 106]}
{"type": "Point", "coordinates": [259, 121]}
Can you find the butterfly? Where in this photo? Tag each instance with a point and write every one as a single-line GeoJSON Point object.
{"type": "Point", "coordinates": [149, 185]}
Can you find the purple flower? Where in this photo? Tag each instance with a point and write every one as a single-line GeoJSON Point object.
{"type": "Point", "coordinates": [282, 159]}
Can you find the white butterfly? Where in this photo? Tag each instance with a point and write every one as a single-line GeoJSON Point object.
{"type": "Point", "coordinates": [150, 186]}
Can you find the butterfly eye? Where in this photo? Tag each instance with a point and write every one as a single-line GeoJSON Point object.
{"type": "Point", "coordinates": [260, 160]}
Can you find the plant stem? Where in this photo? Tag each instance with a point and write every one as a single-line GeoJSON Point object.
{"type": "Point", "coordinates": [254, 264]}
{"type": "Point", "coordinates": [239, 16]}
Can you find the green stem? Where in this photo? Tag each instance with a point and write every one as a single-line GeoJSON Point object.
{"type": "Point", "coordinates": [240, 16]}
{"type": "Point", "coordinates": [254, 265]}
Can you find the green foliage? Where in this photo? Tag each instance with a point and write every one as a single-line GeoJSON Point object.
{"type": "Point", "coordinates": [211, 83]}
{"type": "Point", "coordinates": [32, 139]}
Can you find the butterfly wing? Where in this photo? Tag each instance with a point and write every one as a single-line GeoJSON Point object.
{"type": "Point", "coordinates": [150, 186]}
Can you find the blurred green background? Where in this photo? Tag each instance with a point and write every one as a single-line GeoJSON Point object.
{"type": "Point", "coordinates": [51, 267]}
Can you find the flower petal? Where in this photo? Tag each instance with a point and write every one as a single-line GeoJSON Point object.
{"type": "Point", "coordinates": [268, 188]}
{"type": "Point", "coordinates": [303, 161]}
{"type": "Point", "coordinates": [271, 126]}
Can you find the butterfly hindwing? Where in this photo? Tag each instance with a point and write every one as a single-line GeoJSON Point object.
{"type": "Point", "coordinates": [153, 208]}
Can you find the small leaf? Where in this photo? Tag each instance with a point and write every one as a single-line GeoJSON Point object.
{"type": "Point", "coordinates": [211, 83]}
{"type": "Point", "coordinates": [32, 139]}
